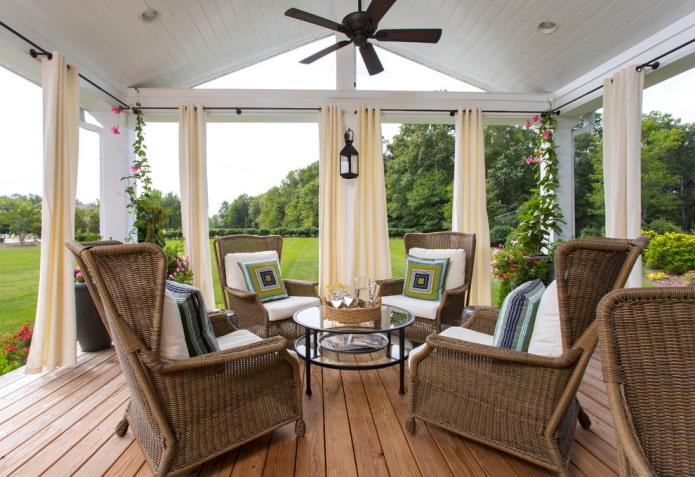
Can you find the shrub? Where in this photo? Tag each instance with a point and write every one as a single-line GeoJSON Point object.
{"type": "Point", "coordinates": [661, 226]}
{"type": "Point", "coordinates": [178, 265]}
{"type": "Point", "coordinates": [689, 278]}
{"type": "Point", "coordinates": [15, 348]}
{"type": "Point", "coordinates": [671, 252]}
{"type": "Point", "coordinates": [499, 234]}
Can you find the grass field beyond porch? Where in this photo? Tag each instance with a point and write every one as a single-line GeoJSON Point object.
{"type": "Point", "coordinates": [19, 275]}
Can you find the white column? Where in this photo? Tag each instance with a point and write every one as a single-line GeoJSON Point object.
{"type": "Point", "coordinates": [115, 221]}
{"type": "Point", "coordinates": [565, 192]}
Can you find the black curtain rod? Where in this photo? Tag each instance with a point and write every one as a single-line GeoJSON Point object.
{"type": "Point", "coordinates": [41, 51]}
{"type": "Point", "coordinates": [654, 64]}
{"type": "Point", "coordinates": [237, 109]}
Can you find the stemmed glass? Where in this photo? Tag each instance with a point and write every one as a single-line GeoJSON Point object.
{"type": "Point", "coordinates": [335, 296]}
{"type": "Point", "coordinates": [348, 298]}
{"type": "Point", "coordinates": [372, 291]}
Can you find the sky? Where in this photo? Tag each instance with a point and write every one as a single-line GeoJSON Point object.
{"type": "Point", "coordinates": [236, 164]}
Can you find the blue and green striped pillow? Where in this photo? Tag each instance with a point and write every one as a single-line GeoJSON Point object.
{"type": "Point", "coordinates": [518, 315]}
{"type": "Point", "coordinates": [197, 330]}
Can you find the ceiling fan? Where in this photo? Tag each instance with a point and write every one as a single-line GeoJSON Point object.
{"type": "Point", "coordinates": [361, 26]}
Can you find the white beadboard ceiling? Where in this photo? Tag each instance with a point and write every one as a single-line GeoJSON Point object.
{"type": "Point", "coordinates": [491, 44]}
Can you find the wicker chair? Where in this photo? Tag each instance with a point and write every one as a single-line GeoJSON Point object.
{"type": "Point", "coordinates": [518, 402]}
{"type": "Point", "coordinates": [251, 313]}
{"type": "Point", "coordinates": [186, 412]}
{"type": "Point", "coordinates": [454, 300]}
{"type": "Point", "coordinates": [218, 318]}
{"type": "Point", "coordinates": [647, 338]}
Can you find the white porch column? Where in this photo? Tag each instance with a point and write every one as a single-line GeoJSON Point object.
{"type": "Point", "coordinates": [115, 222]}
{"type": "Point", "coordinates": [565, 192]}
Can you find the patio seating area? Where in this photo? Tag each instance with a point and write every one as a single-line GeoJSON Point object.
{"type": "Point", "coordinates": [62, 423]}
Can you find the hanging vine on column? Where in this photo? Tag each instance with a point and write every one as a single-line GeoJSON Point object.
{"type": "Point", "coordinates": [150, 216]}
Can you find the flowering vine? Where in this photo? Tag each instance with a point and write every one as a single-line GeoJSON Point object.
{"type": "Point", "coordinates": [115, 129]}
{"type": "Point", "coordinates": [147, 205]}
{"type": "Point", "coordinates": [541, 214]}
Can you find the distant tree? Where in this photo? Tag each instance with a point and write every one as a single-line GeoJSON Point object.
{"type": "Point", "coordinates": [21, 215]}
{"type": "Point", "coordinates": [172, 203]}
{"type": "Point", "coordinates": [238, 212]}
{"type": "Point", "coordinates": [87, 218]}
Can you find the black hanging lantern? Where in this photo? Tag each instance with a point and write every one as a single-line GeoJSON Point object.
{"type": "Point", "coordinates": [348, 157]}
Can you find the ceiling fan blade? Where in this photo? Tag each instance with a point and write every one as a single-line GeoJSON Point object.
{"type": "Point", "coordinates": [378, 8]}
{"type": "Point", "coordinates": [416, 35]}
{"type": "Point", "coordinates": [315, 19]}
{"type": "Point", "coordinates": [371, 60]}
{"type": "Point", "coordinates": [324, 52]}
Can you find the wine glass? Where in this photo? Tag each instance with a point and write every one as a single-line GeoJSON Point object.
{"type": "Point", "coordinates": [335, 296]}
{"type": "Point", "coordinates": [348, 298]}
{"type": "Point", "coordinates": [372, 291]}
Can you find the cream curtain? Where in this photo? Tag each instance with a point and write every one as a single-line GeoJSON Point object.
{"type": "Point", "coordinates": [54, 340]}
{"type": "Point", "coordinates": [193, 174]}
{"type": "Point", "coordinates": [622, 129]}
{"type": "Point", "coordinates": [332, 229]}
{"type": "Point", "coordinates": [469, 212]}
{"type": "Point", "coordinates": [372, 254]}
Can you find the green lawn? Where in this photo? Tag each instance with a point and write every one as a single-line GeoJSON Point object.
{"type": "Point", "coordinates": [19, 276]}
{"type": "Point", "coordinates": [19, 286]}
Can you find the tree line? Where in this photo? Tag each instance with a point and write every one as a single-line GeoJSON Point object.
{"type": "Point", "coordinates": [419, 168]}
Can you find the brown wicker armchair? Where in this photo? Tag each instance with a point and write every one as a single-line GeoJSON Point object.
{"type": "Point", "coordinates": [647, 338]}
{"type": "Point", "coordinates": [522, 403]}
{"type": "Point", "coordinates": [262, 318]}
{"type": "Point", "coordinates": [188, 411]}
{"type": "Point", "coordinates": [218, 318]}
{"type": "Point", "coordinates": [448, 311]}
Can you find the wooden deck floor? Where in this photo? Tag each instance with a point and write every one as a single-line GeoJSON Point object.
{"type": "Point", "coordinates": [62, 423]}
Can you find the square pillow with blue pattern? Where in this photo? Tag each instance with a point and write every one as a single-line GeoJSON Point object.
{"type": "Point", "coordinates": [197, 329]}
{"type": "Point", "coordinates": [424, 278]}
{"type": "Point", "coordinates": [265, 279]}
{"type": "Point", "coordinates": [518, 315]}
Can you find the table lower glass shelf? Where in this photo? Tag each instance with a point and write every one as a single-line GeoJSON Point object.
{"type": "Point", "coordinates": [353, 350]}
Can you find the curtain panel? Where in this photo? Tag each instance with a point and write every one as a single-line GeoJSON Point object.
{"type": "Point", "coordinates": [622, 129]}
{"type": "Point", "coordinates": [372, 253]}
{"type": "Point", "coordinates": [332, 229]}
{"type": "Point", "coordinates": [193, 174]}
{"type": "Point", "coordinates": [469, 212]}
{"type": "Point", "coordinates": [54, 340]}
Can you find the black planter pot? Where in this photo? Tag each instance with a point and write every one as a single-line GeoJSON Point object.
{"type": "Point", "coordinates": [550, 266]}
{"type": "Point", "coordinates": [91, 333]}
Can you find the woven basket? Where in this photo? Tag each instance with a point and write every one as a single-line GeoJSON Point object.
{"type": "Point", "coordinates": [352, 315]}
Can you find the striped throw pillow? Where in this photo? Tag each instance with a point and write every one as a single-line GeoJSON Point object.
{"type": "Point", "coordinates": [517, 316]}
{"type": "Point", "coordinates": [197, 330]}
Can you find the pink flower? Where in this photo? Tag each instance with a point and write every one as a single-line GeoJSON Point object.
{"type": "Point", "coordinates": [546, 133]}
{"type": "Point", "coordinates": [536, 159]}
{"type": "Point", "coordinates": [114, 129]}
{"type": "Point", "coordinates": [535, 118]}
{"type": "Point", "coordinates": [537, 151]}
{"type": "Point", "coordinates": [528, 124]}
{"type": "Point", "coordinates": [116, 110]}
{"type": "Point", "coordinates": [133, 169]}
{"type": "Point", "coordinates": [528, 160]}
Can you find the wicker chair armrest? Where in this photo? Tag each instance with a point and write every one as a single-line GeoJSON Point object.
{"type": "Point", "coordinates": [483, 320]}
{"type": "Point", "coordinates": [241, 294]}
{"type": "Point", "coordinates": [390, 286]}
{"type": "Point", "coordinates": [219, 319]}
{"type": "Point", "coordinates": [301, 287]}
{"type": "Point", "coordinates": [252, 350]}
{"type": "Point", "coordinates": [480, 350]}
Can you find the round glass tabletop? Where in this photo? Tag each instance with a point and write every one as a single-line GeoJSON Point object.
{"type": "Point", "coordinates": [390, 318]}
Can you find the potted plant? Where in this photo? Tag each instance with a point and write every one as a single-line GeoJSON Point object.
{"type": "Point", "coordinates": [91, 332]}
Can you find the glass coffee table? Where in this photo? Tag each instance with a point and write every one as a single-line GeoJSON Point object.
{"type": "Point", "coordinates": [365, 345]}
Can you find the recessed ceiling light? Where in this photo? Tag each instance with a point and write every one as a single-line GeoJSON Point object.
{"type": "Point", "coordinates": [547, 27]}
{"type": "Point", "coordinates": [150, 15]}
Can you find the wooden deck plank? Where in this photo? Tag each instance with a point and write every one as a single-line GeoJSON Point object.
{"type": "Point", "coordinates": [355, 426]}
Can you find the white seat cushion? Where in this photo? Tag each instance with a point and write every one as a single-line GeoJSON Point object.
{"type": "Point", "coordinates": [237, 338]}
{"type": "Point", "coordinates": [546, 339]}
{"type": "Point", "coordinates": [422, 308]}
{"type": "Point", "coordinates": [285, 308]}
{"type": "Point", "coordinates": [456, 270]}
{"type": "Point", "coordinates": [459, 333]}
{"type": "Point", "coordinates": [172, 344]}
{"type": "Point", "coordinates": [235, 275]}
